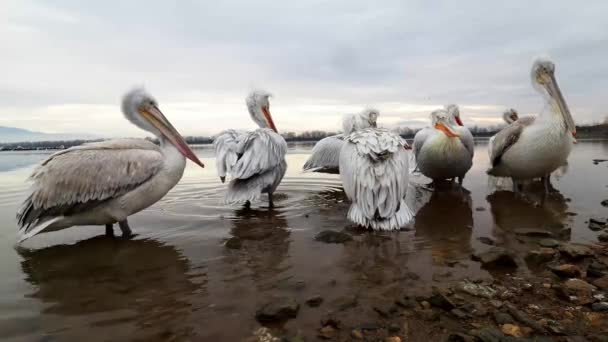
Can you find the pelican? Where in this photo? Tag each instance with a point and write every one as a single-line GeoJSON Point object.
{"type": "Point", "coordinates": [465, 135]}
{"type": "Point", "coordinates": [325, 156]}
{"type": "Point", "coordinates": [105, 182]}
{"type": "Point", "coordinates": [510, 116]}
{"type": "Point", "coordinates": [254, 160]}
{"type": "Point", "coordinates": [536, 146]}
{"type": "Point", "coordinates": [442, 151]}
{"type": "Point", "coordinates": [373, 167]}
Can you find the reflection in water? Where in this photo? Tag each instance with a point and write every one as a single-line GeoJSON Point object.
{"type": "Point", "coordinates": [445, 222]}
{"type": "Point", "coordinates": [143, 282]}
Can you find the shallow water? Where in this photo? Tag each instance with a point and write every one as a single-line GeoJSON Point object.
{"type": "Point", "coordinates": [198, 269]}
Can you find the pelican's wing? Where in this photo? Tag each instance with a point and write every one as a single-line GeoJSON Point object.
{"type": "Point", "coordinates": [86, 175]}
{"type": "Point", "coordinates": [467, 140]}
{"type": "Point", "coordinates": [258, 152]}
{"type": "Point", "coordinates": [325, 156]}
{"type": "Point", "coordinates": [503, 141]}
{"type": "Point", "coordinates": [419, 140]}
{"type": "Point", "coordinates": [225, 145]}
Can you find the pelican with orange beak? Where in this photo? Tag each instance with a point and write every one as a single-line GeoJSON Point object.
{"type": "Point", "coordinates": [106, 182]}
{"type": "Point", "coordinates": [254, 160]}
{"type": "Point", "coordinates": [440, 151]}
{"type": "Point", "coordinates": [537, 146]}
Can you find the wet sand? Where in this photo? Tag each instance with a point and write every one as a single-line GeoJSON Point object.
{"type": "Point", "coordinates": [200, 271]}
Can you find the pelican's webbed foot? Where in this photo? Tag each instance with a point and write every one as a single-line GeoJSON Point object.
{"type": "Point", "coordinates": [126, 230]}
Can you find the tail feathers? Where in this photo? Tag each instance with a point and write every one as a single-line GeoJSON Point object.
{"type": "Point", "coordinates": [413, 166]}
{"type": "Point", "coordinates": [400, 219]}
{"type": "Point", "coordinates": [40, 226]}
{"type": "Point", "coordinates": [243, 190]}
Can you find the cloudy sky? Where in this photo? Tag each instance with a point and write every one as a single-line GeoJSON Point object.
{"type": "Point", "coordinates": [65, 63]}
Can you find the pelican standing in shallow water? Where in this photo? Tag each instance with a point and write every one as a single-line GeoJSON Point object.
{"type": "Point", "coordinates": [254, 160]}
{"type": "Point", "coordinates": [509, 116]}
{"type": "Point", "coordinates": [443, 151]}
{"type": "Point", "coordinates": [537, 146]}
{"type": "Point", "coordinates": [106, 182]}
{"type": "Point", "coordinates": [374, 173]}
{"type": "Point", "coordinates": [325, 156]}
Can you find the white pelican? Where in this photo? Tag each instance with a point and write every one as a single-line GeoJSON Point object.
{"type": "Point", "coordinates": [374, 173]}
{"type": "Point", "coordinates": [106, 182]}
{"type": "Point", "coordinates": [254, 160]}
{"type": "Point", "coordinates": [465, 135]}
{"type": "Point", "coordinates": [440, 151]}
{"type": "Point", "coordinates": [325, 156]}
{"type": "Point", "coordinates": [536, 146]}
{"type": "Point", "coordinates": [509, 116]}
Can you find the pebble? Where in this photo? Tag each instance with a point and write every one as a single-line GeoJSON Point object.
{"type": "Point", "coordinates": [512, 330]}
{"type": "Point", "coordinates": [603, 237]}
{"type": "Point", "coordinates": [566, 271]}
{"type": "Point", "coordinates": [440, 300]}
{"type": "Point", "coordinates": [601, 283]}
{"type": "Point", "coordinates": [503, 318]}
{"type": "Point", "coordinates": [575, 251]}
{"type": "Point", "coordinates": [604, 203]}
{"type": "Point", "coordinates": [578, 291]}
{"type": "Point", "coordinates": [333, 236]}
{"type": "Point", "coordinates": [392, 339]}
{"type": "Point", "coordinates": [600, 307]}
{"type": "Point", "coordinates": [478, 290]}
{"type": "Point", "coordinates": [327, 332]}
{"type": "Point", "coordinates": [314, 301]}
{"type": "Point", "coordinates": [495, 257]}
{"type": "Point", "coordinates": [425, 305]}
{"type": "Point", "coordinates": [356, 334]}
{"type": "Point", "coordinates": [533, 232]}
{"type": "Point", "coordinates": [277, 309]}
{"type": "Point", "coordinates": [540, 256]}
{"type": "Point", "coordinates": [548, 243]}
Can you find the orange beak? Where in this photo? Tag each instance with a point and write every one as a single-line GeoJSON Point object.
{"type": "Point", "coordinates": [268, 117]}
{"type": "Point", "coordinates": [445, 129]}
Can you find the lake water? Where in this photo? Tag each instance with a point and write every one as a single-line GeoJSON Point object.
{"type": "Point", "coordinates": [198, 270]}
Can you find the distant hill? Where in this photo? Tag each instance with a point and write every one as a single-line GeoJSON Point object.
{"type": "Point", "coordinates": [13, 134]}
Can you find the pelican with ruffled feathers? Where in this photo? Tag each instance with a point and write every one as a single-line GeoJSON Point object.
{"type": "Point", "coordinates": [106, 182]}
{"type": "Point", "coordinates": [536, 146]}
{"type": "Point", "coordinates": [443, 151]}
{"type": "Point", "coordinates": [325, 155]}
{"type": "Point", "coordinates": [255, 160]}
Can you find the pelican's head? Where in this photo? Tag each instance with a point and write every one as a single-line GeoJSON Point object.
{"type": "Point", "coordinates": [141, 109]}
{"type": "Point", "coordinates": [510, 116]}
{"type": "Point", "coordinates": [543, 77]}
{"type": "Point", "coordinates": [441, 121]}
{"type": "Point", "coordinates": [454, 114]}
{"type": "Point", "coordinates": [370, 117]}
{"type": "Point", "coordinates": [259, 109]}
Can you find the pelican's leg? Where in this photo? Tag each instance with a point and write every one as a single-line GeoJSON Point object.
{"type": "Point", "coordinates": [124, 227]}
{"type": "Point", "coordinates": [110, 230]}
{"type": "Point", "coordinates": [247, 205]}
{"type": "Point", "coordinates": [270, 202]}
{"type": "Point", "coordinates": [460, 180]}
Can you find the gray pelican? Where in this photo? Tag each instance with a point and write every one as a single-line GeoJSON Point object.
{"type": "Point", "coordinates": [325, 156]}
{"type": "Point", "coordinates": [536, 146]}
{"type": "Point", "coordinates": [374, 173]}
{"type": "Point", "coordinates": [442, 151]}
{"type": "Point", "coordinates": [106, 182]}
{"type": "Point", "coordinates": [254, 160]}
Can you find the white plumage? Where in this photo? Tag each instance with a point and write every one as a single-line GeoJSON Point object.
{"type": "Point", "coordinates": [104, 183]}
{"type": "Point", "coordinates": [254, 160]}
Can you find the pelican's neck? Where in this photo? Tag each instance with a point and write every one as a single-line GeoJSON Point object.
{"type": "Point", "coordinates": [169, 150]}
{"type": "Point", "coordinates": [258, 117]}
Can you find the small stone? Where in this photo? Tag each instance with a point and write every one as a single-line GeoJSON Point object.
{"type": "Point", "coordinates": [511, 330]}
{"type": "Point", "coordinates": [277, 309]}
{"type": "Point", "coordinates": [525, 319]}
{"type": "Point", "coordinates": [331, 321]}
{"type": "Point", "coordinates": [603, 237]}
{"type": "Point", "coordinates": [604, 203]}
{"type": "Point", "coordinates": [601, 283]}
{"type": "Point", "coordinates": [392, 339]}
{"type": "Point", "coordinates": [600, 307]}
{"type": "Point", "coordinates": [357, 334]}
{"type": "Point", "coordinates": [547, 285]}
{"type": "Point", "coordinates": [440, 300]}
{"type": "Point", "coordinates": [314, 301]}
{"type": "Point", "coordinates": [540, 256]}
{"type": "Point", "coordinates": [478, 290]}
{"type": "Point", "coordinates": [461, 338]}
{"type": "Point", "coordinates": [566, 271]}
{"type": "Point", "coordinates": [460, 314]}
{"type": "Point", "coordinates": [597, 220]}
{"type": "Point", "coordinates": [548, 243]}
{"type": "Point", "coordinates": [394, 328]}
{"type": "Point", "coordinates": [425, 305]}
{"type": "Point", "coordinates": [327, 332]}
{"type": "Point", "coordinates": [233, 243]}
{"type": "Point", "coordinates": [496, 303]}
{"type": "Point", "coordinates": [429, 315]}
{"type": "Point", "coordinates": [527, 287]}
{"type": "Point", "coordinates": [333, 236]}
{"type": "Point", "coordinates": [533, 232]}
{"type": "Point", "coordinates": [486, 240]}
{"type": "Point", "coordinates": [596, 226]}
{"type": "Point", "coordinates": [597, 270]}
{"type": "Point", "coordinates": [577, 291]}
{"type": "Point", "coordinates": [575, 251]}
{"type": "Point", "coordinates": [495, 257]}
{"type": "Point", "coordinates": [503, 318]}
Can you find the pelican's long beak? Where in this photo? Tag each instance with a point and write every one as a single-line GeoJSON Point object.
{"type": "Point", "coordinates": [158, 120]}
{"type": "Point", "coordinates": [458, 121]}
{"type": "Point", "coordinates": [562, 106]}
{"type": "Point", "coordinates": [447, 129]}
{"type": "Point", "coordinates": [268, 117]}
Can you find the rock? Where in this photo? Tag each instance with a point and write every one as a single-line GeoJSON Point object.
{"type": "Point", "coordinates": [428, 315]}
{"type": "Point", "coordinates": [597, 269]}
{"type": "Point", "coordinates": [596, 226]}
{"type": "Point", "coordinates": [604, 203]}
{"type": "Point", "coordinates": [577, 291]}
{"type": "Point", "coordinates": [600, 307]}
{"type": "Point", "coordinates": [525, 319]}
{"type": "Point", "coordinates": [327, 332]}
{"type": "Point", "coordinates": [263, 334]}
{"type": "Point", "coordinates": [461, 338]}
{"type": "Point", "coordinates": [603, 237]}
{"type": "Point", "coordinates": [548, 243]}
{"type": "Point", "coordinates": [502, 318]}
{"type": "Point", "coordinates": [440, 300]}
{"type": "Point", "coordinates": [357, 334]}
{"type": "Point", "coordinates": [394, 328]}
{"type": "Point", "coordinates": [332, 236]}
{"type": "Point", "coordinates": [314, 301]}
{"type": "Point", "coordinates": [277, 309]}
{"type": "Point", "coordinates": [478, 290]}
{"type": "Point", "coordinates": [425, 305]}
{"type": "Point", "coordinates": [369, 327]}
{"type": "Point", "coordinates": [533, 232]}
{"type": "Point", "coordinates": [489, 335]}
{"type": "Point", "coordinates": [331, 321]}
{"type": "Point", "coordinates": [601, 283]}
{"type": "Point", "coordinates": [392, 339]}
{"type": "Point", "coordinates": [597, 220]}
{"type": "Point", "coordinates": [512, 330]}
{"type": "Point", "coordinates": [486, 240]}
{"type": "Point", "coordinates": [233, 243]}
{"type": "Point", "coordinates": [496, 303]}
{"type": "Point", "coordinates": [575, 251]}
{"type": "Point", "coordinates": [458, 313]}
{"type": "Point", "coordinates": [566, 271]}
{"type": "Point", "coordinates": [345, 303]}
{"type": "Point", "coordinates": [495, 257]}
{"type": "Point", "coordinates": [540, 256]}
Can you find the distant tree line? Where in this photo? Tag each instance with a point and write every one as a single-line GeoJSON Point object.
{"type": "Point", "coordinates": [584, 131]}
